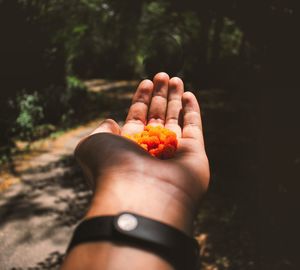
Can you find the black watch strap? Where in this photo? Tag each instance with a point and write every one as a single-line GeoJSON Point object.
{"type": "Point", "coordinates": [131, 229]}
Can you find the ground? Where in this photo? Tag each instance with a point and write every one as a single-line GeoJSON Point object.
{"type": "Point", "coordinates": [46, 196]}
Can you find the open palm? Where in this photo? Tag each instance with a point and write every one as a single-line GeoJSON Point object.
{"type": "Point", "coordinates": [161, 102]}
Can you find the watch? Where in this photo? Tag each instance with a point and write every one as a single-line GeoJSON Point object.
{"type": "Point", "coordinates": [173, 245]}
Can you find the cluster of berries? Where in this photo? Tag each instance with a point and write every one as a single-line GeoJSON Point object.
{"type": "Point", "coordinates": [158, 141]}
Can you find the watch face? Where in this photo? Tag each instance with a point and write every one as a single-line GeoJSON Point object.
{"type": "Point", "coordinates": [127, 222]}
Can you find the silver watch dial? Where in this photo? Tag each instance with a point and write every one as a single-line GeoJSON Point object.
{"type": "Point", "coordinates": [127, 222]}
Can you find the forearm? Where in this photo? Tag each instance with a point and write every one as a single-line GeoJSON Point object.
{"type": "Point", "coordinates": [142, 197]}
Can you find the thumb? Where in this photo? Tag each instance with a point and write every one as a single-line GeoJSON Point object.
{"type": "Point", "coordinates": [108, 126]}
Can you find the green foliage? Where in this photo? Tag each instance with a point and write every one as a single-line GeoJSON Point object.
{"type": "Point", "coordinates": [231, 38]}
{"type": "Point", "coordinates": [39, 112]}
{"type": "Point", "coordinates": [51, 43]}
{"type": "Point", "coordinates": [75, 84]}
{"type": "Point", "coordinates": [30, 115]}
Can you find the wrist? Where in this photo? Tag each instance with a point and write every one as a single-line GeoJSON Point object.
{"type": "Point", "coordinates": [142, 195]}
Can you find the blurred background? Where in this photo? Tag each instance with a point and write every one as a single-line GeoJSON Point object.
{"type": "Point", "coordinates": [67, 64]}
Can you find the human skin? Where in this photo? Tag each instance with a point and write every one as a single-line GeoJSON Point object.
{"type": "Point", "coordinates": [124, 177]}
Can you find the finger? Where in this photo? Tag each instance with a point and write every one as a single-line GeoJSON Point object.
{"type": "Point", "coordinates": [137, 115]}
{"type": "Point", "coordinates": [109, 126]}
{"type": "Point", "coordinates": [158, 106]}
{"type": "Point", "coordinates": [192, 124]}
{"type": "Point", "coordinates": [174, 105]}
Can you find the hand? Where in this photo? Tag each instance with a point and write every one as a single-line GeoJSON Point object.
{"type": "Point", "coordinates": [125, 177]}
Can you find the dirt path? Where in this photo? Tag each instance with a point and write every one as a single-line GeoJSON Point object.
{"type": "Point", "coordinates": [30, 225]}
{"type": "Point", "coordinates": [44, 152]}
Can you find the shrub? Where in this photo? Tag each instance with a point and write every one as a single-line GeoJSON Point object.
{"type": "Point", "coordinates": [30, 115]}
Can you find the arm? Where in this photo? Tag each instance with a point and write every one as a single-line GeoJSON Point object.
{"type": "Point", "coordinates": [126, 178]}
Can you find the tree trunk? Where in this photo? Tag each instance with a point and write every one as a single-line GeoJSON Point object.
{"type": "Point", "coordinates": [204, 39]}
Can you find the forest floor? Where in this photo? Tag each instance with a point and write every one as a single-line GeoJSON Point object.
{"type": "Point", "coordinates": [42, 201]}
